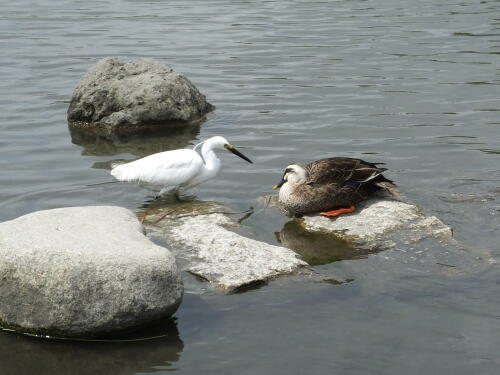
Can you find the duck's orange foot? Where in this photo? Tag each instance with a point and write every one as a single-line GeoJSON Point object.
{"type": "Point", "coordinates": [335, 213]}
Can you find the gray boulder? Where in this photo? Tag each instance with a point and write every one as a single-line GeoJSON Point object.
{"type": "Point", "coordinates": [83, 271]}
{"type": "Point", "coordinates": [116, 96]}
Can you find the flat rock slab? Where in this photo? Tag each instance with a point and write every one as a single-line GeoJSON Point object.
{"type": "Point", "coordinates": [226, 259]}
{"type": "Point", "coordinates": [117, 96]}
{"type": "Point", "coordinates": [83, 271]}
{"type": "Point", "coordinates": [378, 218]}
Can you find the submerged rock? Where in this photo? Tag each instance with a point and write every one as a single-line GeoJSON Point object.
{"type": "Point", "coordinates": [116, 96]}
{"type": "Point", "coordinates": [199, 236]}
{"type": "Point", "coordinates": [83, 271]}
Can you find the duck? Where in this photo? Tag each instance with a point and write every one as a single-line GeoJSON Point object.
{"type": "Point", "coordinates": [330, 186]}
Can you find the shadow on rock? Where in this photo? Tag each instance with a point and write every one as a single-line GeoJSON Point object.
{"type": "Point", "coordinates": [157, 346]}
{"type": "Point", "coordinates": [318, 248]}
{"type": "Point", "coordinates": [174, 137]}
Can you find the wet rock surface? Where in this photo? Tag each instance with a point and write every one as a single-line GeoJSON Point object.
{"type": "Point", "coordinates": [382, 237]}
{"type": "Point", "coordinates": [83, 271]}
{"type": "Point", "coordinates": [395, 238]}
{"type": "Point", "coordinates": [115, 96]}
{"type": "Point", "coordinates": [203, 239]}
{"type": "Point", "coordinates": [376, 219]}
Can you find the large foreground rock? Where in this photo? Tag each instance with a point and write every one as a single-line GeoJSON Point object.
{"type": "Point", "coordinates": [83, 271]}
{"type": "Point", "coordinates": [200, 236]}
{"type": "Point", "coordinates": [122, 97]}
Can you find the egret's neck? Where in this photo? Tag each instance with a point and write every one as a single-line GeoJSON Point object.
{"type": "Point", "coordinates": [212, 162]}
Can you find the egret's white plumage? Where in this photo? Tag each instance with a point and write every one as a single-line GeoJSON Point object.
{"type": "Point", "coordinates": [178, 168]}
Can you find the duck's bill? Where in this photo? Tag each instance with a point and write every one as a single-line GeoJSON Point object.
{"type": "Point", "coordinates": [237, 153]}
{"type": "Point", "coordinates": [276, 187]}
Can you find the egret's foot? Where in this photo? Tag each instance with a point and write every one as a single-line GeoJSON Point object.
{"type": "Point", "coordinates": [164, 215]}
{"type": "Point", "coordinates": [177, 195]}
{"type": "Point", "coordinates": [337, 212]}
{"type": "Point", "coordinates": [142, 217]}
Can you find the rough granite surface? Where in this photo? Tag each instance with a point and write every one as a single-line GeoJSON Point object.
{"type": "Point", "coordinates": [377, 218]}
{"type": "Point", "coordinates": [116, 95]}
{"type": "Point", "coordinates": [226, 259]}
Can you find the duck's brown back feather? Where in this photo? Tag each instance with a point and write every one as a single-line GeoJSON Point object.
{"type": "Point", "coordinates": [338, 170]}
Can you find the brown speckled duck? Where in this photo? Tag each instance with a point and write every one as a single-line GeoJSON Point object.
{"type": "Point", "coordinates": [330, 186]}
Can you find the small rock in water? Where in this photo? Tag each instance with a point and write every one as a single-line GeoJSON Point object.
{"type": "Point", "coordinates": [116, 96]}
{"type": "Point", "coordinates": [83, 271]}
{"type": "Point", "coordinates": [378, 218]}
{"type": "Point", "coordinates": [211, 251]}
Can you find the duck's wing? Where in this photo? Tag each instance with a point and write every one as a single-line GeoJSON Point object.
{"type": "Point", "coordinates": [340, 170]}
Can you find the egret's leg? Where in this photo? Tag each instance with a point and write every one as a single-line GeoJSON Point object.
{"type": "Point", "coordinates": [164, 215]}
{"type": "Point", "coordinates": [177, 195]}
{"type": "Point", "coordinates": [337, 212]}
{"type": "Point", "coordinates": [142, 217]}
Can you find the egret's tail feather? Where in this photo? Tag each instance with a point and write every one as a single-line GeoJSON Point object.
{"type": "Point", "coordinates": [119, 173]}
{"type": "Point", "coordinates": [115, 164]}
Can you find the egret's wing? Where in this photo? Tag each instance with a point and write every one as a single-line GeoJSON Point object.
{"type": "Point", "coordinates": [169, 168]}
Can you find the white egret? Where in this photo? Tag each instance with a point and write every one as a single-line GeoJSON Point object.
{"type": "Point", "coordinates": [182, 168]}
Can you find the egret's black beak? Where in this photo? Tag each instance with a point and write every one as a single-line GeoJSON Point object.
{"type": "Point", "coordinates": [276, 187]}
{"type": "Point", "coordinates": [231, 148]}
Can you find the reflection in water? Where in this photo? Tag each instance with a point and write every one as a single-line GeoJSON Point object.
{"type": "Point", "coordinates": [138, 144]}
{"type": "Point", "coordinates": [27, 355]}
{"type": "Point", "coordinates": [319, 248]}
